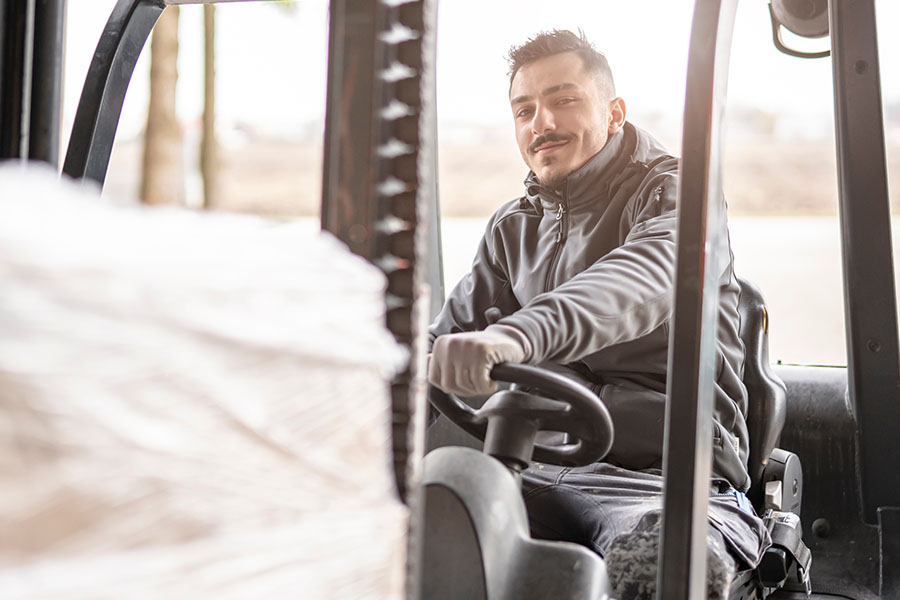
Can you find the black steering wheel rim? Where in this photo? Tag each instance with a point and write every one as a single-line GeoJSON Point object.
{"type": "Point", "coordinates": [585, 408]}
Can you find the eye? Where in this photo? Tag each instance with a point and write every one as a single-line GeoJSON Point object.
{"type": "Point", "coordinates": [566, 100]}
{"type": "Point", "coordinates": [523, 112]}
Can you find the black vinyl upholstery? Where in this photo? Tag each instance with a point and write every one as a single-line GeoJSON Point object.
{"type": "Point", "coordinates": [767, 395]}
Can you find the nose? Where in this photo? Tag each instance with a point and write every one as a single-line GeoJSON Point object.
{"type": "Point", "coordinates": [543, 120]}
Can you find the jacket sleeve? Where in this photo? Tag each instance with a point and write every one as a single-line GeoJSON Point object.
{"type": "Point", "coordinates": [486, 286]}
{"type": "Point", "coordinates": [624, 295]}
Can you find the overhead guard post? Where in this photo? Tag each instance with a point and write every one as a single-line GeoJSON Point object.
{"type": "Point", "coordinates": [46, 80]}
{"type": "Point", "coordinates": [16, 42]}
{"type": "Point", "coordinates": [870, 300]}
{"type": "Point", "coordinates": [100, 105]}
{"type": "Point", "coordinates": [692, 348]}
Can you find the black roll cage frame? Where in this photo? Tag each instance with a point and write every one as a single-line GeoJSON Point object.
{"type": "Point", "coordinates": [380, 197]}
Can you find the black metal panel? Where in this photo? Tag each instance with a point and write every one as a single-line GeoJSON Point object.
{"type": "Point", "coordinates": [820, 428]}
{"type": "Point", "coordinates": [15, 76]}
{"type": "Point", "coordinates": [692, 350]}
{"type": "Point", "coordinates": [889, 532]}
{"type": "Point", "coordinates": [6, 80]}
{"type": "Point", "coordinates": [46, 81]}
{"type": "Point", "coordinates": [3, 34]}
{"type": "Point", "coordinates": [100, 106]}
{"type": "Point", "coordinates": [869, 295]}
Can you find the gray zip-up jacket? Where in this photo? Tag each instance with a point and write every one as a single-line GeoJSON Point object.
{"type": "Point", "coordinates": [588, 277]}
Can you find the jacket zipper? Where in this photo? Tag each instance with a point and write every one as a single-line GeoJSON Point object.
{"type": "Point", "coordinates": [560, 239]}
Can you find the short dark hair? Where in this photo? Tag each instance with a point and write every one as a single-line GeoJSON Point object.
{"type": "Point", "coordinates": [557, 41]}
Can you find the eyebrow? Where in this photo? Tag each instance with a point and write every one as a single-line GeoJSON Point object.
{"type": "Point", "coordinates": [545, 92]}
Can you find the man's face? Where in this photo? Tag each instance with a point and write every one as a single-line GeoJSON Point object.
{"type": "Point", "coordinates": [561, 119]}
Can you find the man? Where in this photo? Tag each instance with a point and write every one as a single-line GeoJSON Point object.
{"type": "Point", "coordinates": [579, 272]}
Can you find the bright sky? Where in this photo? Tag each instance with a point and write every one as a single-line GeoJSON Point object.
{"type": "Point", "coordinates": [271, 68]}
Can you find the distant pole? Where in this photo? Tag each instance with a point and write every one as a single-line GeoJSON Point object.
{"type": "Point", "coordinates": [162, 177]}
{"type": "Point", "coordinates": [209, 149]}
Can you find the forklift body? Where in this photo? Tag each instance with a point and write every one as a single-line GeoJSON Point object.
{"type": "Point", "coordinates": [380, 198]}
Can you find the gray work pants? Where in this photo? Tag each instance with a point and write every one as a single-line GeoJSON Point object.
{"type": "Point", "coordinates": [594, 504]}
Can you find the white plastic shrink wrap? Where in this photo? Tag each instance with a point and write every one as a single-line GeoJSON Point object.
{"type": "Point", "coordinates": [191, 406]}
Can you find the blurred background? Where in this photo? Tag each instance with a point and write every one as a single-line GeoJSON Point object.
{"type": "Point", "coordinates": [247, 135]}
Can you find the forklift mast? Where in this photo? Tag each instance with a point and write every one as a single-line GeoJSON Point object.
{"type": "Point", "coordinates": [379, 190]}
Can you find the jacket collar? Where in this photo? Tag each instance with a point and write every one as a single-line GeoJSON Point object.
{"type": "Point", "coordinates": [586, 183]}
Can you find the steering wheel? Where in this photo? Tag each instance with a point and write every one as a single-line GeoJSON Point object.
{"type": "Point", "coordinates": [574, 410]}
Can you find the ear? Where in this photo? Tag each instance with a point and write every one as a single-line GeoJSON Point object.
{"type": "Point", "coordinates": [616, 115]}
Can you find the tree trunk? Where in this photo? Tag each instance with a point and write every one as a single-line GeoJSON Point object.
{"type": "Point", "coordinates": [209, 150]}
{"type": "Point", "coordinates": [162, 177]}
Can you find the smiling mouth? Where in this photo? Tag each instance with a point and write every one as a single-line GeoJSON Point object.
{"type": "Point", "coordinates": [549, 147]}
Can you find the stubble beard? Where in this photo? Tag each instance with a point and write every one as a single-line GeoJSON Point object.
{"type": "Point", "coordinates": [553, 180]}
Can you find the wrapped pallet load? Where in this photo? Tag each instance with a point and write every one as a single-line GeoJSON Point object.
{"type": "Point", "coordinates": [192, 405]}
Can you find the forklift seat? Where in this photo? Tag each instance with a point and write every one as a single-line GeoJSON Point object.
{"type": "Point", "coordinates": [766, 393]}
{"type": "Point", "coordinates": [776, 476]}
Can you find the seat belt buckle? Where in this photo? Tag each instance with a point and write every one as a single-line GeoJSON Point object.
{"type": "Point", "coordinates": [788, 558]}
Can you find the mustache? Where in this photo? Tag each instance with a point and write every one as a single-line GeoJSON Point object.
{"type": "Point", "coordinates": [550, 137]}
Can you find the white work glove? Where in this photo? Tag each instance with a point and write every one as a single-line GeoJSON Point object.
{"type": "Point", "coordinates": [461, 363]}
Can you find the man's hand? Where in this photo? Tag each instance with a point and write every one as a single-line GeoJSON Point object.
{"type": "Point", "coordinates": [461, 363]}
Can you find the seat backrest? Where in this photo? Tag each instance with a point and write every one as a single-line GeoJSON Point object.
{"type": "Point", "coordinates": [767, 395]}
